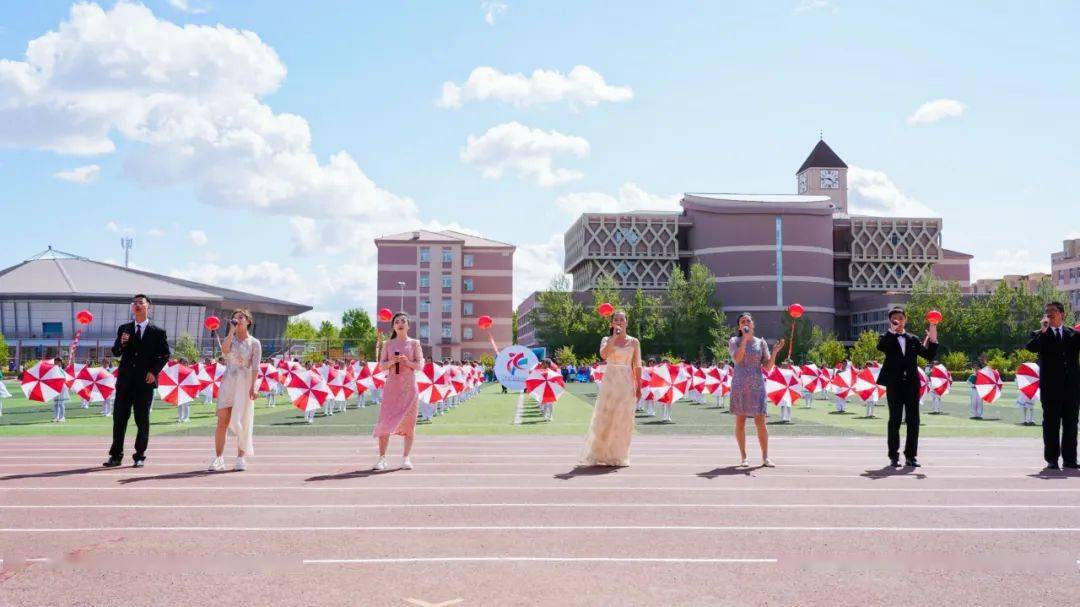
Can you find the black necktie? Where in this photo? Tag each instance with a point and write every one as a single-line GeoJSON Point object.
{"type": "Point", "coordinates": [138, 332]}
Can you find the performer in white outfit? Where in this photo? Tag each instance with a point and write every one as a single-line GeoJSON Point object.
{"type": "Point", "coordinates": [107, 404]}
{"type": "Point", "coordinates": [3, 394]}
{"type": "Point", "coordinates": [61, 400]}
{"type": "Point", "coordinates": [976, 400]}
{"type": "Point", "coordinates": [1027, 406]}
{"type": "Point", "coordinates": [236, 398]}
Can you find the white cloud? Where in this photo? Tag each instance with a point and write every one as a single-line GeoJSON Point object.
{"type": "Point", "coordinates": [115, 228]}
{"type": "Point", "coordinates": [1007, 261]}
{"type": "Point", "coordinates": [492, 11]}
{"type": "Point", "coordinates": [873, 193]}
{"type": "Point", "coordinates": [935, 110]}
{"type": "Point", "coordinates": [184, 6]}
{"type": "Point", "coordinates": [197, 238]}
{"type": "Point", "coordinates": [583, 86]}
{"type": "Point", "coordinates": [630, 198]}
{"type": "Point", "coordinates": [535, 265]}
{"type": "Point", "coordinates": [527, 151]}
{"type": "Point", "coordinates": [155, 232]}
{"type": "Point", "coordinates": [815, 5]}
{"type": "Point", "coordinates": [190, 98]}
{"type": "Point", "coordinates": [83, 174]}
{"type": "Point", "coordinates": [268, 278]}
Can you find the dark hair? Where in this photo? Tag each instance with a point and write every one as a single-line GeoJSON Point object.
{"type": "Point", "coordinates": [393, 319]}
{"type": "Point", "coordinates": [1057, 304]}
{"type": "Point", "coordinates": [738, 319]}
{"type": "Point", "coordinates": [138, 295]}
{"type": "Point", "coordinates": [897, 310]}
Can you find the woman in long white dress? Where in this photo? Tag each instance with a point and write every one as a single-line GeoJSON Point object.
{"type": "Point", "coordinates": [236, 399]}
{"type": "Point", "coordinates": [612, 426]}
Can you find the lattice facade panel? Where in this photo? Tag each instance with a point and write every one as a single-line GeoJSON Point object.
{"type": "Point", "coordinates": [622, 236]}
{"type": "Point", "coordinates": [885, 275]}
{"type": "Point", "coordinates": [627, 273]}
{"type": "Point", "coordinates": [892, 253]}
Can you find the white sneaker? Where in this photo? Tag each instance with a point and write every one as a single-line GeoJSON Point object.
{"type": "Point", "coordinates": [768, 463]}
{"type": "Point", "coordinates": [240, 465]}
{"type": "Point", "coordinates": [380, 465]}
{"type": "Point", "coordinates": [217, 465]}
{"type": "Point", "coordinates": [745, 463]}
{"type": "Point", "coordinates": [406, 464]}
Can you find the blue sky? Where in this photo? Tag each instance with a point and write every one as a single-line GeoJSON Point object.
{"type": "Point", "coordinates": [683, 96]}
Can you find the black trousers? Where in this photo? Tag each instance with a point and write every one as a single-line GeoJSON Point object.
{"type": "Point", "coordinates": [903, 397]}
{"type": "Point", "coordinates": [134, 396]}
{"type": "Point", "coordinates": [1059, 429]}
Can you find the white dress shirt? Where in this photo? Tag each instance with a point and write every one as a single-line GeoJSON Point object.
{"type": "Point", "coordinates": [140, 328]}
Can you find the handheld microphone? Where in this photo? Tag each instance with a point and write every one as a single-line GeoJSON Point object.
{"type": "Point", "coordinates": [234, 322]}
{"type": "Point", "coordinates": [397, 366]}
{"type": "Point", "coordinates": [746, 330]}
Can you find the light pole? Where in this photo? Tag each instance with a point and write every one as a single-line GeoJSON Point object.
{"type": "Point", "coordinates": [401, 285]}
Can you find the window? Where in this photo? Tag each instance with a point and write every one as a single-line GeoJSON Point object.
{"type": "Point", "coordinates": [447, 281]}
{"type": "Point", "coordinates": [425, 254]}
{"type": "Point", "coordinates": [468, 284]}
{"type": "Point", "coordinates": [446, 303]}
{"type": "Point", "coordinates": [425, 281]}
{"type": "Point", "coordinates": [446, 331]}
{"type": "Point", "coordinates": [466, 333]}
{"type": "Point", "coordinates": [52, 329]}
{"type": "Point", "coordinates": [468, 261]}
{"type": "Point", "coordinates": [424, 333]}
{"type": "Point", "coordinates": [447, 256]}
{"type": "Point", "coordinates": [467, 308]}
{"type": "Point", "coordinates": [425, 305]}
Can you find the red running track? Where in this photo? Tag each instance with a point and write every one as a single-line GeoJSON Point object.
{"type": "Point", "coordinates": [508, 521]}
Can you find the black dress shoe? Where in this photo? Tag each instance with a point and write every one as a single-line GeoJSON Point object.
{"type": "Point", "coordinates": [112, 462]}
{"type": "Point", "coordinates": [1052, 466]}
{"type": "Point", "coordinates": [895, 462]}
{"type": "Point", "coordinates": [912, 463]}
{"type": "Point", "coordinates": [1072, 465]}
{"type": "Point", "coordinates": [139, 463]}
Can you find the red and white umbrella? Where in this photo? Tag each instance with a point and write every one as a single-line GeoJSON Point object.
{"type": "Point", "coordinates": [458, 380]}
{"type": "Point", "coordinates": [1027, 380]}
{"type": "Point", "coordinates": [727, 373]}
{"type": "Point", "coordinates": [866, 387]}
{"type": "Point", "coordinates": [178, 384]}
{"type": "Point", "coordinates": [988, 384]}
{"type": "Point", "coordinates": [810, 378]}
{"type": "Point", "coordinates": [668, 382]}
{"type": "Point", "coordinates": [545, 385]}
{"type": "Point", "coordinates": [306, 389]}
{"type": "Point", "coordinates": [843, 381]}
{"type": "Point", "coordinates": [697, 379]}
{"type": "Point", "coordinates": [267, 381]}
{"type": "Point", "coordinates": [598, 373]}
{"type": "Point", "coordinates": [714, 378]}
{"type": "Point", "coordinates": [371, 377]}
{"type": "Point", "coordinates": [825, 376]}
{"type": "Point", "coordinates": [875, 370]}
{"type": "Point", "coordinates": [335, 381]}
{"type": "Point", "coordinates": [940, 380]}
{"type": "Point", "coordinates": [924, 383]}
{"type": "Point", "coordinates": [72, 371]}
{"type": "Point", "coordinates": [95, 384]}
{"type": "Point", "coordinates": [43, 382]}
{"type": "Point", "coordinates": [429, 380]}
{"type": "Point", "coordinates": [782, 386]}
{"type": "Point", "coordinates": [351, 387]}
{"type": "Point", "coordinates": [210, 375]}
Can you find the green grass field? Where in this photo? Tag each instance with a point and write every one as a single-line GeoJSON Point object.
{"type": "Point", "coordinates": [492, 412]}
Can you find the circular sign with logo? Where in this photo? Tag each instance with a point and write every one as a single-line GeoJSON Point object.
{"type": "Point", "coordinates": [512, 365]}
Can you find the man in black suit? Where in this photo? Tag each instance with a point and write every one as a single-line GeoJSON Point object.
{"type": "Point", "coordinates": [143, 352]}
{"type": "Point", "coordinates": [900, 376]}
{"type": "Point", "coordinates": [1058, 348]}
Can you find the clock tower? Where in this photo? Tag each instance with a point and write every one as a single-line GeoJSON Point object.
{"type": "Point", "coordinates": [824, 174]}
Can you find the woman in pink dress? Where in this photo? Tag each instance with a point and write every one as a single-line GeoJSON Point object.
{"type": "Point", "coordinates": [401, 357]}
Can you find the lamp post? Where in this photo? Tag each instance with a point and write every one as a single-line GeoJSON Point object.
{"type": "Point", "coordinates": [401, 305]}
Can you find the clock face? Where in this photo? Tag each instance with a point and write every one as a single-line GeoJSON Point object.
{"type": "Point", "coordinates": [802, 183]}
{"type": "Point", "coordinates": [830, 179]}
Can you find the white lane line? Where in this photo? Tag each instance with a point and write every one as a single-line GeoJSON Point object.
{"type": "Point", "coordinates": [537, 559]}
{"type": "Point", "coordinates": [346, 474]}
{"type": "Point", "coordinates": [667, 488]}
{"type": "Point", "coordinates": [635, 505]}
{"type": "Point", "coordinates": [553, 466]}
{"type": "Point", "coordinates": [456, 528]}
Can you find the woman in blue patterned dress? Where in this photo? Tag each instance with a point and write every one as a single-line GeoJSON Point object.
{"type": "Point", "coordinates": [750, 357]}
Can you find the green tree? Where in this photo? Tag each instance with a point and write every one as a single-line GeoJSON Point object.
{"type": "Point", "coordinates": [1021, 355]}
{"type": "Point", "coordinates": [328, 330]}
{"type": "Point", "coordinates": [4, 354]}
{"type": "Point", "coordinates": [646, 319]}
{"type": "Point", "coordinates": [955, 361]}
{"type": "Point", "coordinates": [565, 356]}
{"type": "Point", "coordinates": [807, 337]}
{"type": "Point", "coordinates": [186, 349]}
{"type": "Point", "coordinates": [693, 318]}
{"type": "Point", "coordinates": [300, 328]}
{"type": "Point", "coordinates": [865, 349]}
{"type": "Point", "coordinates": [514, 326]}
{"type": "Point", "coordinates": [357, 327]}
{"type": "Point", "coordinates": [557, 317]}
{"type": "Point", "coordinates": [828, 353]}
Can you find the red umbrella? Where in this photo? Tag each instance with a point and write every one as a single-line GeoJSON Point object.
{"type": "Point", "coordinates": [306, 389]}
{"type": "Point", "coordinates": [988, 384]}
{"type": "Point", "coordinates": [429, 383]}
{"type": "Point", "coordinates": [178, 384]}
{"type": "Point", "coordinates": [782, 386]}
{"type": "Point", "coordinates": [545, 385]}
{"type": "Point", "coordinates": [95, 384]}
{"type": "Point", "coordinates": [668, 382]}
{"type": "Point", "coordinates": [43, 382]}
{"type": "Point", "coordinates": [1027, 380]}
{"type": "Point", "coordinates": [940, 380]}
{"type": "Point", "coordinates": [267, 380]}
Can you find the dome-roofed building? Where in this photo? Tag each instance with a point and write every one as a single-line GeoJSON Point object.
{"type": "Point", "coordinates": [40, 297]}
